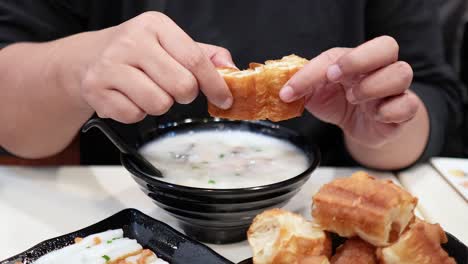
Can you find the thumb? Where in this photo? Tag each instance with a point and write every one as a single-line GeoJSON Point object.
{"type": "Point", "coordinates": [312, 76]}
{"type": "Point", "coordinates": [219, 56]}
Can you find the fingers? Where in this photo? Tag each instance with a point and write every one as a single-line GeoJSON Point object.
{"type": "Point", "coordinates": [219, 56]}
{"type": "Point", "coordinates": [140, 89]}
{"type": "Point", "coordinates": [346, 66]}
{"type": "Point", "coordinates": [366, 58]}
{"type": "Point", "coordinates": [398, 109]}
{"type": "Point", "coordinates": [117, 106]}
{"type": "Point", "coordinates": [388, 81]}
{"type": "Point", "coordinates": [105, 86]}
{"type": "Point", "coordinates": [190, 55]}
{"type": "Point", "coordinates": [167, 73]}
{"type": "Point", "coordinates": [146, 64]}
{"type": "Point", "coordinates": [311, 77]}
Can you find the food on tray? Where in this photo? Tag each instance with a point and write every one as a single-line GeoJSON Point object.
{"type": "Point", "coordinates": [107, 247]}
{"type": "Point", "coordinates": [355, 251]}
{"type": "Point", "coordinates": [277, 236]}
{"type": "Point", "coordinates": [377, 211]}
{"type": "Point", "coordinates": [225, 159]}
{"type": "Point", "coordinates": [457, 173]}
{"type": "Point", "coordinates": [419, 245]}
{"type": "Point", "coordinates": [256, 91]}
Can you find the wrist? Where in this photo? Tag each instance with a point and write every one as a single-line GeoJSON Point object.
{"type": "Point", "coordinates": [70, 59]}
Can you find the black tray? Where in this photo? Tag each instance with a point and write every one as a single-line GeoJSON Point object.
{"type": "Point", "coordinates": [166, 242]}
{"type": "Point", "coordinates": [454, 248]}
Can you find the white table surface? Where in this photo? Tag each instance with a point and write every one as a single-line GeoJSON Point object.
{"type": "Point", "coordinates": [438, 200]}
{"type": "Point", "coordinates": [41, 203]}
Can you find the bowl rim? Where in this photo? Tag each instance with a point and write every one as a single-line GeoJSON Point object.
{"type": "Point", "coordinates": [135, 171]}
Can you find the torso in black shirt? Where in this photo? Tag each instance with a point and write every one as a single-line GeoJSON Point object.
{"type": "Point", "coordinates": [252, 31]}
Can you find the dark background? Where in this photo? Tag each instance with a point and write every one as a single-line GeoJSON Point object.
{"type": "Point", "coordinates": [454, 17]}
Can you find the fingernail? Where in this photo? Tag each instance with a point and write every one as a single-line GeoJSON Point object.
{"type": "Point", "coordinates": [226, 104]}
{"type": "Point", "coordinates": [287, 94]}
{"type": "Point", "coordinates": [334, 73]}
{"type": "Point", "coordinates": [231, 65]}
{"type": "Point", "coordinates": [226, 64]}
{"type": "Point", "coordinates": [350, 96]}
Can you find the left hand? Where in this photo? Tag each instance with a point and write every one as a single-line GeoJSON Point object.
{"type": "Point", "coordinates": [363, 90]}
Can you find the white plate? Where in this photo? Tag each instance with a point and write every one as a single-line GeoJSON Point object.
{"type": "Point", "coordinates": [455, 171]}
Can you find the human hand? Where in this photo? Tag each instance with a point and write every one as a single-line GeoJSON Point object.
{"type": "Point", "coordinates": [362, 90]}
{"type": "Point", "coordinates": [145, 64]}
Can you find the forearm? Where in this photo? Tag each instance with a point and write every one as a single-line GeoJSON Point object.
{"type": "Point", "coordinates": [401, 151]}
{"type": "Point", "coordinates": [40, 108]}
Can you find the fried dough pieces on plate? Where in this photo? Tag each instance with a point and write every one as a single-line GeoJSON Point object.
{"type": "Point", "coordinates": [355, 251]}
{"type": "Point", "coordinates": [419, 245]}
{"type": "Point", "coordinates": [377, 217]}
{"type": "Point", "coordinates": [377, 211]}
{"type": "Point", "coordinates": [280, 237]}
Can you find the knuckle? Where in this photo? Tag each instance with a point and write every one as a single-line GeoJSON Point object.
{"type": "Point", "coordinates": [194, 60]}
{"type": "Point", "coordinates": [150, 18]}
{"type": "Point", "coordinates": [130, 116]}
{"type": "Point", "coordinates": [333, 54]}
{"type": "Point", "coordinates": [126, 42]}
{"type": "Point", "coordinates": [101, 114]}
{"type": "Point", "coordinates": [351, 61]}
{"type": "Point", "coordinates": [105, 111]}
{"type": "Point", "coordinates": [145, 22]}
{"type": "Point", "coordinates": [163, 104]}
{"type": "Point", "coordinates": [91, 83]}
{"type": "Point", "coordinates": [123, 113]}
{"type": "Point", "coordinates": [364, 91]}
{"type": "Point", "coordinates": [186, 89]}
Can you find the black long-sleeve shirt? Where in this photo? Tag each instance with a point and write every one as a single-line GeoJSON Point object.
{"type": "Point", "coordinates": [256, 30]}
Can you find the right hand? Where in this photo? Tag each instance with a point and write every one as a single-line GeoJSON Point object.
{"type": "Point", "coordinates": [145, 64]}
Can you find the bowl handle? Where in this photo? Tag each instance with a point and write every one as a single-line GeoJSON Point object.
{"type": "Point", "coordinates": [117, 140]}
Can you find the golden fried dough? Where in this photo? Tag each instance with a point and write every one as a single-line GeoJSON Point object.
{"type": "Point", "coordinates": [355, 251]}
{"type": "Point", "coordinates": [377, 211]}
{"type": "Point", "coordinates": [256, 91]}
{"type": "Point", "coordinates": [280, 237]}
{"type": "Point", "coordinates": [314, 260]}
{"type": "Point", "coordinates": [419, 245]}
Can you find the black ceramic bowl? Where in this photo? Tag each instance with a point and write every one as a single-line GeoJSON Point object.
{"type": "Point", "coordinates": [220, 215]}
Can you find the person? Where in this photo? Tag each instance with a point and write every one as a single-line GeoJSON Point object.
{"type": "Point", "coordinates": [378, 91]}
